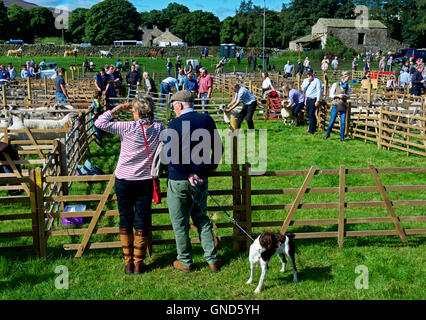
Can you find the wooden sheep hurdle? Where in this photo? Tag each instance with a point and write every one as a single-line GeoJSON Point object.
{"type": "Point", "coordinates": [246, 206]}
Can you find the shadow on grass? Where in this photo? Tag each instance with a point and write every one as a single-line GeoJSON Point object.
{"type": "Point", "coordinates": [31, 279]}
{"type": "Point", "coordinates": [313, 274]}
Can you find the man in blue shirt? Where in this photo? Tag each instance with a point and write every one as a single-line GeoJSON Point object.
{"type": "Point", "coordinates": [312, 89]}
{"type": "Point", "coordinates": [102, 83]}
{"type": "Point", "coordinates": [25, 73]}
{"type": "Point", "coordinates": [249, 102]}
{"type": "Point", "coordinates": [191, 84]}
{"type": "Point", "coordinates": [4, 74]}
{"type": "Point", "coordinates": [61, 92]}
{"type": "Point", "coordinates": [166, 87]}
{"type": "Point", "coordinates": [118, 65]}
{"type": "Point", "coordinates": [404, 77]}
{"type": "Point", "coordinates": [188, 173]}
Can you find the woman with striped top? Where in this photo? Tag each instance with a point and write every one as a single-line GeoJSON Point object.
{"type": "Point", "coordinates": [133, 180]}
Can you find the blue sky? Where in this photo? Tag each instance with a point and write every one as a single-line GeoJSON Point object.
{"type": "Point", "coordinates": [221, 8]}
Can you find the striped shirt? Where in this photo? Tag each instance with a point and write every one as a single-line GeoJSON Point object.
{"type": "Point", "coordinates": [133, 163]}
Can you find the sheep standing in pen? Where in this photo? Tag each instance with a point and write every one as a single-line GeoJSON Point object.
{"type": "Point", "coordinates": [19, 123]}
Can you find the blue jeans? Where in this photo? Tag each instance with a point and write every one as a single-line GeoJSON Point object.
{"type": "Point", "coordinates": [61, 97]}
{"type": "Point", "coordinates": [333, 117]}
{"type": "Point", "coordinates": [164, 89]}
{"type": "Point", "coordinates": [134, 199]}
{"type": "Point", "coordinates": [204, 100]}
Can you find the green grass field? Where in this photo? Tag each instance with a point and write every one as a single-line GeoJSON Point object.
{"type": "Point", "coordinates": [159, 65]}
{"type": "Point", "coordinates": [396, 270]}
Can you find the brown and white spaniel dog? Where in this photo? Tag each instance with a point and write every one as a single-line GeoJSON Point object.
{"type": "Point", "coordinates": [264, 248]}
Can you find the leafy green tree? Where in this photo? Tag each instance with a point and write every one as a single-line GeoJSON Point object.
{"type": "Point", "coordinates": [197, 28]}
{"type": "Point", "coordinates": [111, 20]}
{"type": "Point", "coordinates": [77, 25]}
{"type": "Point", "coordinates": [163, 18]}
{"type": "Point", "coordinates": [303, 14]}
{"type": "Point", "coordinates": [42, 21]}
{"type": "Point", "coordinates": [19, 26]}
{"type": "Point", "coordinates": [229, 32]}
{"type": "Point", "coordinates": [4, 21]}
{"type": "Point", "coordinates": [173, 10]}
{"type": "Point", "coordinates": [420, 27]}
{"type": "Point", "coordinates": [154, 18]}
{"type": "Point", "coordinates": [403, 19]}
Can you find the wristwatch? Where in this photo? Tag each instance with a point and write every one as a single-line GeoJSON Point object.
{"type": "Point", "coordinates": [115, 109]}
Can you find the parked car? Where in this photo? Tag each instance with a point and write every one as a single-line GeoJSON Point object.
{"type": "Point", "coordinates": [15, 42]}
{"type": "Point", "coordinates": [49, 71]}
{"type": "Point", "coordinates": [416, 54]}
{"type": "Point", "coordinates": [401, 53]}
{"type": "Point", "coordinates": [85, 44]}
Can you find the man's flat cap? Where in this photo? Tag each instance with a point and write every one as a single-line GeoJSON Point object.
{"type": "Point", "coordinates": [182, 96]}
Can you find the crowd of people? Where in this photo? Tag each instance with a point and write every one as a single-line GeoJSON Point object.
{"type": "Point", "coordinates": [29, 70]}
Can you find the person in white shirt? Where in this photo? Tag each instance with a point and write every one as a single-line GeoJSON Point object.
{"type": "Point", "coordinates": [324, 64]}
{"type": "Point", "coordinates": [249, 102]}
{"type": "Point", "coordinates": [311, 86]}
{"type": "Point", "coordinates": [335, 64]}
{"type": "Point", "coordinates": [267, 83]}
{"type": "Point", "coordinates": [288, 69]}
{"type": "Point", "coordinates": [12, 72]}
{"type": "Point", "coordinates": [340, 92]}
{"type": "Point", "coordinates": [306, 63]}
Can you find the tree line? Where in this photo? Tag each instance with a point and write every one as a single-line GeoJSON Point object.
{"type": "Point", "coordinates": [111, 20]}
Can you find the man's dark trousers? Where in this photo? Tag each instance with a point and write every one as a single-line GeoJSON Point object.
{"type": "Point", "coordinates": [310, 109]}
{"type": "Point", "coordinates": [247, 112]}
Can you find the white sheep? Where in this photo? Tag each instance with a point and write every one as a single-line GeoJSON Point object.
{"type": "Point", "coordinates": [287, 113]}
{"type": "Point", "coordinates": [18, 123]}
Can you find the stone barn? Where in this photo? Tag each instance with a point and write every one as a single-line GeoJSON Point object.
{"type": "Point", "coordinates": [373, 35]}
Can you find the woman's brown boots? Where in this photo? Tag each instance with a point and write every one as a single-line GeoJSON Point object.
{"type": "Point", "coordinates": [126, 238]}
{"type": "Point", "coordinates": [134, 249]}
{"type": "Point", "coordinates": [140, 248]}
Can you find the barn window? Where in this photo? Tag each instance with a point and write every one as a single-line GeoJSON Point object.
{"type": "Point", "coordinates": [361, 38]}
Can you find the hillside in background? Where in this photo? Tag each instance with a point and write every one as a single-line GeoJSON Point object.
{"type": "Point", "coordinates": [23, 4]}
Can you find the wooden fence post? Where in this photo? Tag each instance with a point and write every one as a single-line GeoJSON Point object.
{"type": "Point", "coordinates": [348, 119]}
{"type": "Point", "coordinates": [37, 212]}
{"type": "Point", "coordinates": [247, 201]}
{"type": "Point", "coordinates": [369, 91]}
{"type": "Point", "coordinates": [3, 91]}
{"type": "Point", "coordinates": [63, 167]}
{"type": "Point", "coordinates": [380, 137]}
{"type": "Point", "coordinates": [342, 189]}
{"type": "Point", "coordinates": [45, 85]}
{"type": "Point", "coordinates": [33, 204]}
{"type": "Point", "coordinates": [29, 90]}
{"type": "Point", "coordinates": [239, 245]}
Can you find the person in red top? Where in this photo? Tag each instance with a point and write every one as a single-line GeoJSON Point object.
{"type": "Point", "coordinates": [205, 88]}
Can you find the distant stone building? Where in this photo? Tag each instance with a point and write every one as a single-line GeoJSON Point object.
{"type": "Point", "coordinates": [156, 37]}
{"type": "Point", "coordinates": [148, 35]}
{"type": "Point", "coordinates": [356, 34]}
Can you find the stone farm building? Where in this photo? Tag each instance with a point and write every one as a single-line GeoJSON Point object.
{"type": "Point", "coordinates": [372, 36]}
{"type": "Point", "coordinates": [156, 37]}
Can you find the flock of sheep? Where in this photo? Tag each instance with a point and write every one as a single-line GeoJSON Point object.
{"type": "Point", "coordinates": [43, 118]}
